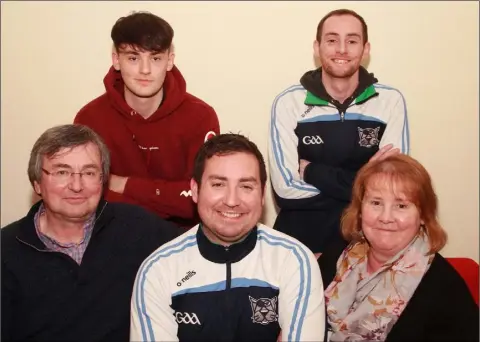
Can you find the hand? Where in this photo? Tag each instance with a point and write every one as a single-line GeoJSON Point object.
{"type": "Point", "coordinates": [302, 165]}
{"type": "Point", "coordinates": [385, 152]}
{"type": "Point", "coordinates": [117, 183]}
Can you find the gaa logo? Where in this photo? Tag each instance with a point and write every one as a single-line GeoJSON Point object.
{"type": "Point", "coordinates": [312, 140]}
{"type": "Point", "coordinates": [186, 318]}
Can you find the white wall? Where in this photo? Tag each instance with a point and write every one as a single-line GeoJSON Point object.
{"type": "Point", "coordinates": [237, 56]}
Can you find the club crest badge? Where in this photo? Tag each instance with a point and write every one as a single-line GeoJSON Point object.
{"type": "Point", "coordinates": [368, 137]}
{"type": "Point", "coordinates": [264, 310]}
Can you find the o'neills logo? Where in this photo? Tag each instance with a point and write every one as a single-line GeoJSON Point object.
{"type": "Point", "coordinates": [187, 276]}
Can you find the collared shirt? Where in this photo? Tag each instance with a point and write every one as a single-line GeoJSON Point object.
{"type": "Point", "coordinates": [74, 250]}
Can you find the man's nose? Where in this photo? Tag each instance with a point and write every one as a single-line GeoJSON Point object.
{"type": "Point", "coordinates": [75, 182]}
{"type": "Point", "coordinates": [231, 197]}
{"type": "Point", "coordinates": [145, 67]}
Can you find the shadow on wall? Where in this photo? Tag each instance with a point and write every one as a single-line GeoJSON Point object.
{"type": "Point", "coordinates": [265, 212]}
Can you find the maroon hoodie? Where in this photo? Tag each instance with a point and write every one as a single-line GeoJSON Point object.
{"type": "Point", "coordinates": [156, 154]}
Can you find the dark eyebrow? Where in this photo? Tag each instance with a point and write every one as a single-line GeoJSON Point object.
{"type": "Point", "coordinates": [222, 178]}
{"type": "Point", "coordinates": [249, 179]}
{"type": "Point", "coordinates": [348, 34]}
{"type": "Point", "coordinates": [216, 177]}
{"type": "Point", "coordinates": [130, 52]}
{"type": "Point", "coordinates": [354, 35]}
{"type": "Point", "coordinates": [136, 53]}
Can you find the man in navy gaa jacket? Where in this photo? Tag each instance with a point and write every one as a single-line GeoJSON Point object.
{"type": "Point", "coordinates": [229, 278]}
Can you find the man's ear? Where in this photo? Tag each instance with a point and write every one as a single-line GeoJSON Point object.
{"type": "Point", "coordinates": [37, 189]}
{"type": "Point", "coordinates": [194, 190]}
{"type": "Point", "coordinates": [115, 61]}
{"type": "Point", "coordinates": [171, 60]}
{"type": "Point", "coordinates": [316, 48]}
{"type": "Point", "coordinates": [366, 51]}
{"type": "Point", "coordinates": [263, 194]}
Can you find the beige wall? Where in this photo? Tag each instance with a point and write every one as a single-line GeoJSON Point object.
{"type": "Point", "coordinates": [237, 56]}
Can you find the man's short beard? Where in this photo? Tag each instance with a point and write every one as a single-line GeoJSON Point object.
{"type": "Point", "coordinates": [345, 74]}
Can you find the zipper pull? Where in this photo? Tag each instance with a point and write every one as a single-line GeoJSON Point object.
{"type": "Point", "coordinates": [342, 116]}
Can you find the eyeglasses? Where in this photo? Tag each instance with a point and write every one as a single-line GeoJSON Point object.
{"type": "Point", "coordinates": [64, 176]}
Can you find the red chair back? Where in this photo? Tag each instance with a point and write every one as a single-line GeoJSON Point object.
{"type": "Point", "coordinates": [468, 269]}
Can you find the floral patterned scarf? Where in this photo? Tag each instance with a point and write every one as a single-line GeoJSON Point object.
{"type": "Point", "coordinates": [362, 306]}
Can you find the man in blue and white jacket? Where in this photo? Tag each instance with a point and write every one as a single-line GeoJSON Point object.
{"type": "Point", "coordinates": [325, 129]}
{"type": "Point", "coordinates": [229, 278]}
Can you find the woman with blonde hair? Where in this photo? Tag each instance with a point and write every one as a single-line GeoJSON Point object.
{"type": "Point", "coordinates": [390, 283]}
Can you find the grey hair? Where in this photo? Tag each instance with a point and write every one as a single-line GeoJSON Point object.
{"type": "Point", "coordinates": [65, 136]}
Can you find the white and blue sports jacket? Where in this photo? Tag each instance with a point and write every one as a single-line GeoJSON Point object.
{"type": "Point", "coordinates": [338, 139]}
{"type": "Point", "coordinates": [192, 289]}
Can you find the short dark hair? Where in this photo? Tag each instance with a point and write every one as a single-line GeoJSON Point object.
{"type": "Point", "coordinates": [65, 136]}
{"type": "Point", "coordinates": [142, 30]}
{"type": "Point", "coordinates": [339, 12]}
{"type": "Point", "coordinates": [225, 144]}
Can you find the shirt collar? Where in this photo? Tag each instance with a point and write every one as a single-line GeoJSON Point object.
{"type": "Point", "coordinates": [87, 229]}
{"type": "Point", "coordinates": [221, 254]}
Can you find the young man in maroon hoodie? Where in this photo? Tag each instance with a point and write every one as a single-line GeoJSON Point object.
{"type": "Point", "coordinates": [151, 125]}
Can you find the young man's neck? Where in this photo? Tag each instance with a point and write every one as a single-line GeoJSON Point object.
{"type": "Point", "coordinates": [340, 88]}
{"type": "Point", "coordinates": [144, 106]}
{"type": "Point", "coordinates": [218, 241]}
{"type": "Point", "coordinates": [61, 230]}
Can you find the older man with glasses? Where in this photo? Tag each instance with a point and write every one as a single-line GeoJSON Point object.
{"type": "Point", "coordinates": [68, 267]}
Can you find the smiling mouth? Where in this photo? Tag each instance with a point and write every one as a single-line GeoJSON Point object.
{"type": "Point", "coordinates": [75, 199]}
{"type": "Point", "coordinates": [229, 214]}
{"type": "Point", "coordinates": [386, 230]}
{"type": "Point", "coordinates": [340, 61]}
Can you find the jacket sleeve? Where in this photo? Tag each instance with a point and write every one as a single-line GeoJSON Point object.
{"type": "Point", "coordinates": [85, 117]}
{"type": "Point", "coordinates": [162, 231]}
{"type": "Point", "coordinates": [174, 198]}
{"type": "Point", "coordinates": [337, 182]}
{"type": "Point", "coordinates": [7, 300]}
{"type": "Point", "coordinates": [283, 155]}
{"type": "Point", "coordinates": [397, 130]}
{"type": "Point", "coordinates": [152, 317]}
{"type": "Point", "coordinates": [301, 299]}
{"type": "Point", "coordinates": [334, 182]}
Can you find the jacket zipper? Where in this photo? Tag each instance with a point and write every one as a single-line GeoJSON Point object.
{"type": "Point", "coordinates": [353, 103]}
{"type": "Point", "coordinates": [338, 106]}
{"type": "Point", "coordinates": [229, 272]}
